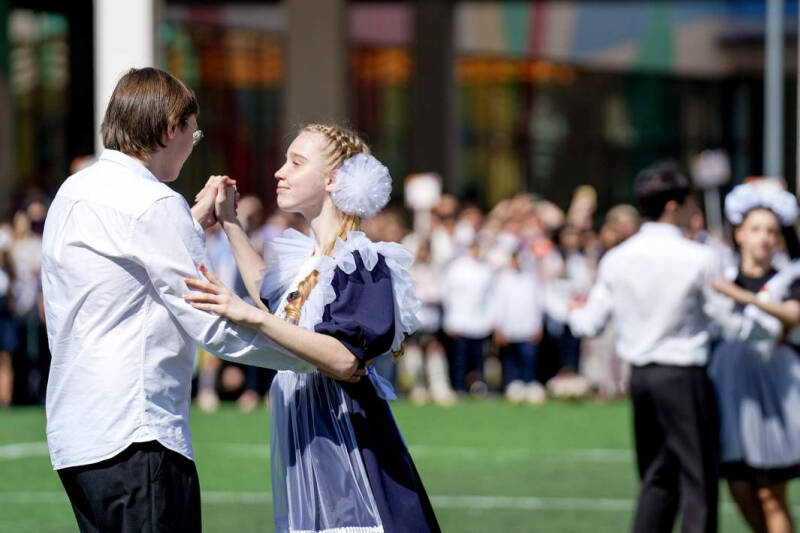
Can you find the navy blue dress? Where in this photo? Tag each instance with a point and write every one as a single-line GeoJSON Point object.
{"type": "Point", "coordinates": [362, 318]}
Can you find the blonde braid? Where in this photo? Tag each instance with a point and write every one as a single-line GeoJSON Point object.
{"type": "Point", "coordinates": [349, 223]}
{"type": "Point", "coordinates": [342, 143]}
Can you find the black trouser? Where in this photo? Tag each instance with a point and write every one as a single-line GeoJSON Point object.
{"type": "Point", "coordinates": [146, 488]}
{"type": "Point", "coordinates": [677, 448]}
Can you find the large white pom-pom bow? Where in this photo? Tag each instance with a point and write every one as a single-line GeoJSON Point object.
{"type": "Point", "coordinates": [362, 186]}
{"type": "Point", "coordinates": [761, 194]}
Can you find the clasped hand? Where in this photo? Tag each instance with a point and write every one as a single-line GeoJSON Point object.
{"type": "Point", "coordinates": [216, 201]}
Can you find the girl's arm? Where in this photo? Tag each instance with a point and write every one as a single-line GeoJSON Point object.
{"type": "Point", "coordinates": [788, 311]}
{"type": "Point", "coordinates": [250, 263]}
{"type": "Point", "coordinates": [323, 351]}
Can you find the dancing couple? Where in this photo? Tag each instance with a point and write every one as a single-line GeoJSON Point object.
{"type": "Point", "coordinates": [715, 380]}
{"type": "Point", "coordinates": [128, 300]}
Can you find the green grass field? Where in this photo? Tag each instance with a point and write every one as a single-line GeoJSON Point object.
{"type": "Point", "coordinates": [487, 465]}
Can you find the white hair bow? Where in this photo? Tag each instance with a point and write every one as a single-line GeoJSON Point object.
{"type": "Point", "coordinates": [362, 186]}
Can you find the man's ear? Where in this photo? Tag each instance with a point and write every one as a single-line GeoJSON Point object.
{"type": "Point", "coordinates": [670, 207]}
{"type": "Point", "coordinates": [171, 131]}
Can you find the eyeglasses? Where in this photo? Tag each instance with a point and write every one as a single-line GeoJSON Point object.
{"type": "Point", "coordinates": [197, 136]}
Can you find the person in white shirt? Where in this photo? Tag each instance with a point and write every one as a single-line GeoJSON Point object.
{"type": "Point", "coordinates": [517, 302]}
{"type": "Point", "coordinates": [657, 287]}
{"type": "Point", "coordinates": [118, 243]}
{"type": "Point", "coordinates": [466, 287]}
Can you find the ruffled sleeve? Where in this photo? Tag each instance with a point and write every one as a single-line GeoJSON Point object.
{"type": "Point", "coordinates": [362, 316]}
{"type": "Point", "coordinates": [360, 276]}
{"type": "Point", "coordinates": [288, 252]}
{"type": "Point", "coordinates": [784, 285]}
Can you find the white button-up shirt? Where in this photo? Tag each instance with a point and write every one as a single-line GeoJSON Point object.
{"type": "Point", "coordinates": [517, 304]}
{"type": "Point", "coordinates": [466, 289]}
{"type": "Point", "coordinates": [117, 245]}
{"type": "Point", "coordinates": [656, 286]}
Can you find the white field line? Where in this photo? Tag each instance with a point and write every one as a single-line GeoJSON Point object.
{"type": "Point", "coordinates": [21, 450]}
{"type": "Point", "coordinates": [246, 450]}
{"type": "Point", "coordinates": [459, 502]}
{"type": "Point", "coordinates": [487, 503]}
{"type": "Point", "coordinates": [462, 453]}
{"type": "Point", "coordinates": [591, 455]}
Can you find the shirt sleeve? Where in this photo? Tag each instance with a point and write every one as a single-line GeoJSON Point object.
{"type": "Point", "coordinates": [362, 315]}
{"type": "Point", "coordinates": [169, 244]}
{"type": "Point", "coordinates": [590, 320]}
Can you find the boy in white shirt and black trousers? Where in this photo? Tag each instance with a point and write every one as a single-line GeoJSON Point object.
{"type": "Point", "coordinates": [657, 288]}
{"type": "Point", "coordinates": [118, 244]}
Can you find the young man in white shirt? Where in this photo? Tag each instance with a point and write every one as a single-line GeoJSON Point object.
{"type": "Point", "coordinates": [118, 243]}
{"type": "Point", "coordinates": [657, 287]}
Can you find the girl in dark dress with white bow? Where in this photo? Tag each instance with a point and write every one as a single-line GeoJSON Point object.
{"type": "Point", "coordinates": [339, 462]}
{"type": "Point", "coordinates": [758, 379]}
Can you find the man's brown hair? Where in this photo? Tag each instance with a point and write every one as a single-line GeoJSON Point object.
{"type": "Point", "coordinates": [144, 103]}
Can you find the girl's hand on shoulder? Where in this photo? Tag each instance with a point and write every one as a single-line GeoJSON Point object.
{"type": "Point", "coordinates": [214, 297]}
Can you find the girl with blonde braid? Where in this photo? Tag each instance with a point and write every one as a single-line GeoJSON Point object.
{"type": "Point", "coordinates": [338, 460]}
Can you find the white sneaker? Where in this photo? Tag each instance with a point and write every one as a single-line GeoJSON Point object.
{"type": "Point", "coordinates": [516, 392]}
{"type": "Point", "coordinates": [569, 386]}
{"type": "Point", "coordinates": [443, 395]}
{"type": "Point", "coordinates": [535, 393]}
{"type": "Point", "coordinates": [579, 387]}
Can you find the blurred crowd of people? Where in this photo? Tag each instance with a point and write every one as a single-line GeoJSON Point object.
{"type": "Point", "coordinates": [495, 288]}
{"type": "Point", "coordinates": [24, 355]}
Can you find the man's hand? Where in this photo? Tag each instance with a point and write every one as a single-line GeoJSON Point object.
{"type": "Point", "coordinates": [203, 209]}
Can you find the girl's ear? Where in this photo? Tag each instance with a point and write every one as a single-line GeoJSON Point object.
{"type": "Point", "coordinates": [329, 181]}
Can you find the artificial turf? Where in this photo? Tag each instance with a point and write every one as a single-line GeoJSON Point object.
{"type": "Point", "coordinates": [487, 465]}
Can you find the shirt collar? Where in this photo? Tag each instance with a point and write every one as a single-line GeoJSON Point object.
{"type": "Point", "coordinates": [134, 165]}
{"type": "Point", "coordinates": [661, 228]}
